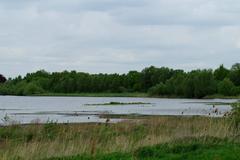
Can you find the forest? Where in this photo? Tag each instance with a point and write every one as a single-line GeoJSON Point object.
{"type": "Point", "coordinates": [151, 80]}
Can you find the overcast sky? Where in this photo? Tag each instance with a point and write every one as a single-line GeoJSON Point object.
{"type": "Point", "coordinates": [117, 35]}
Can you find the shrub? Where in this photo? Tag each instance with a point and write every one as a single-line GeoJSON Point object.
{"type": "Point", "coordinates": [32, 88]}
{"type": "Point", "coordinates": [226, 87]}
{"type": "Point", "coordinates": [159, 89]}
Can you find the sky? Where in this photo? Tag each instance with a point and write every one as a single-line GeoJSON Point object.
{"type": "Point", "coordinates": [111, 36]}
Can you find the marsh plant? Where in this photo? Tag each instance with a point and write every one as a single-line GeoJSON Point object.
{"type": "Point", "coordinates": [235, 115]}
{"type": "Point", "coordinates": [7, 120]}
{"type": "Point", "coordinates": [43, 141]}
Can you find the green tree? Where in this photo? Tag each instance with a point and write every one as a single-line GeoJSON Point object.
{"type": "Point", "coordinates": [133, 81]}
{"type": "Point", "coordinates": [204, 84]}
{"type": "Point", "coordinates": [157, 81]}
{"type": "Point", "coordinates": [175, 85]}
{"type": "Point", "coordinates": [221, 73]}
{"type": "Point", "coordinates": [226, 87]}
{"type": "Point", "coordinates": [235, 74]}
{"type": "Point", "coordinates": [189, 86]}
{"type": "Point", "coordinates": [159, 89]}
{"type": "Point", "coordinates": [31, 89]}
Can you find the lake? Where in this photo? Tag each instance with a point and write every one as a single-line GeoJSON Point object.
{"type": "Point", "coordinates": [25, 110]}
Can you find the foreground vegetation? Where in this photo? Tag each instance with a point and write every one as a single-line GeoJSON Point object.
{"type": "Point", "coordinates": [52, 140]}
{"type": "Point", "coordinates": [207, 148]}
{"type": "Point", "coordinates": [152, 81]}
{"type": "Point", "coordinates": [147, 138]}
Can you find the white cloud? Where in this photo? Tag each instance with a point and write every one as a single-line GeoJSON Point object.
{"type": "Point", "coordinates": [116, 36]}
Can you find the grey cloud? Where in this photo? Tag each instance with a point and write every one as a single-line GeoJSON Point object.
{"type": "Point", "coordinates": [116, 36]}
{"type": "Point", "coordinates": [197, 13]}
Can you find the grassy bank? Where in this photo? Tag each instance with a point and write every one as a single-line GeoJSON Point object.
{"type": "Point", "coordinates": [221, 97]}
{"type": "Point", "coordinates": [148, 138]}
{"type": "Point", "coordinates": [185, 149]}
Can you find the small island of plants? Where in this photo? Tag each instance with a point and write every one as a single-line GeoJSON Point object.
{"type": "Point", "coordinates": [117, 103]}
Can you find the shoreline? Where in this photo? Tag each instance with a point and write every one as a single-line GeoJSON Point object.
{"type": "Point", "coordinates": [133, 118]}
{"type": "Point", "coordinates": [121, 95]}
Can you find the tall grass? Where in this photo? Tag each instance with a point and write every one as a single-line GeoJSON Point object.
{"type": "Point", "coordinates": [235, 115]}
{"type": "Point", "coordinates": [30, 142]}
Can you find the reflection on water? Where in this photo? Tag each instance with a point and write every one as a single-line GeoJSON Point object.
{"type": "Point", "coordinates": [73, 109]}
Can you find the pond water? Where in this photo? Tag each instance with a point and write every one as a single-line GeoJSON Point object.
{"type": "Point", "coordinates": [24, 110]}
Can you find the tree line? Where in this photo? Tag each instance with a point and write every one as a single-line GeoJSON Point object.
{"type": "Point", "coordinates": [152, 80]}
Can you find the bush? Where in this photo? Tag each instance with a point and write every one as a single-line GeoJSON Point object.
{"type": "Point", "coordinates": [226, 87]}
{"type": "Point", "coordinates": [32, 88]}
{"type": "Point", "coordinates": [4, 89]}
{"type": "Point", "coordinates": [159, 89]}
{"type": "Point", "coordinates": [236, 91]}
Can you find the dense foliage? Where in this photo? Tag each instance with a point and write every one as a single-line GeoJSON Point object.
{"type": "Point", "coordinates": [156, 81]}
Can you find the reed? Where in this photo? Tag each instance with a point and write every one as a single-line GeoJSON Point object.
{"type": "Point", "coordinates": [39, 141]}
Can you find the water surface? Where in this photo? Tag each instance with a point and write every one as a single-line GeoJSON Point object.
{"type": "Point", "coordinates": [74, 109]}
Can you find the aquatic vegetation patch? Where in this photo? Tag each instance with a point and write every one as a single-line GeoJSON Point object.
{"type": "Point", "coordinates": [212, 103]}
{"type": "Point", "coordinates": [219, 103]}
{"type": "Point", "coordinates": [118, 103]}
